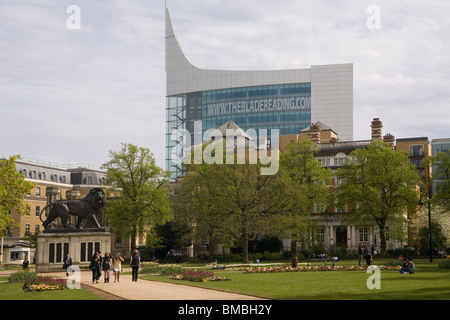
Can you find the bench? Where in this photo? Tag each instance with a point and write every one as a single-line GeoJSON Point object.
{"type": "Point", "coordinates": [324, 261]}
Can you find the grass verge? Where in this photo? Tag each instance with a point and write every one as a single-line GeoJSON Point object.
{"type": "Point", "coordinates": [428, 283]}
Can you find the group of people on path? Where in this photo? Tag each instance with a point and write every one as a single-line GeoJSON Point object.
{"type": "Point", "coordinates": [105, 264]}
{"type": "Point", "coordinates": [108, 263]}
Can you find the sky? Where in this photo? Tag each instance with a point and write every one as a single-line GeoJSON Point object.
{"type": "Point", "coordinates": [76, 82]}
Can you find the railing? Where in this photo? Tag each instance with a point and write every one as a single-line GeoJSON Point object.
{"type": "Point", "coordinates": [55, 165]}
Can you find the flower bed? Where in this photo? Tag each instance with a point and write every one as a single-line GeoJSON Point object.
{"type": "Point", "coordinates": [39, 284]}
{"type": "Point", "coordinates": [216, 278]}
{"type": "Point", "coordinates": [198, 276]}
{"type": "Point", "coordinates": [310, 268]}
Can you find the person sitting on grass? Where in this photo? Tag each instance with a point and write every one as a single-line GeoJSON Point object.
{"type": "Point", "coordinates": [408, 266]}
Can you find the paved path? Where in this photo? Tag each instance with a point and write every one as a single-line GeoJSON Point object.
{"type": "Point", "coordinates": [150, 290]}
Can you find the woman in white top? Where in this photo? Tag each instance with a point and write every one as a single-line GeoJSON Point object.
{"type": "Point", "coordinates": [117, 267]}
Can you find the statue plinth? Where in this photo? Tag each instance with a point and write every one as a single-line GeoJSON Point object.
{"type": "Point", "coordinates": [53, 246]}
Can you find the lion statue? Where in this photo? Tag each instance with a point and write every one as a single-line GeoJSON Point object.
{"type": "Point", "coordinates": [85, 208]}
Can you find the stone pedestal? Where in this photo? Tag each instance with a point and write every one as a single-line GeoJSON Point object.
{"type": "Point", "coordinates": [53, 247]}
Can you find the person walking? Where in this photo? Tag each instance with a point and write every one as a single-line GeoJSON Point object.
{"type": "Point", "coordinates": [360, 254]}
{"type": "Point", "coordinates": [117, 267]}
{"type": "Point", "coordinates": [368, 256]}
{"type": "Point", "coordinates": [67, 263]}
{"type": "Point", "coordinates": [95, 268]}
{"type": "Point", "coordinates": [106, 265]}
{"type": "Point", "coordinates": [135, 263]}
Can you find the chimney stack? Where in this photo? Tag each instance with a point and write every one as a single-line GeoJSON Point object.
{"type": "Point", "coordinates": [377, 126]}
{"type": "Point", "coordinates": [390, 139]}
{"type": "Point", "coordinates": [314, 133]}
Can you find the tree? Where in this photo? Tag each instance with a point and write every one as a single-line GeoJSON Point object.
{"type": "Point", "coordinates": [438, 238]}
{"type": "Point", "coordinates": [441, 179]}
{"type": "Point", "coordinates": [307, 186]}
{"type": "Point", "coordinates": [381, 185]}
{"type": "Point", "coordinates": [234, 201]}
{"type": "Point", "coordinates": [143, 199]}
{"type": "Point", "coordinates": [13, 187]}
{"type": "Point", "coordinates": [173, 235]}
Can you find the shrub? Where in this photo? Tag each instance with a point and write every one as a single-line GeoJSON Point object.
{"type": "Point", "coordinates": [20, 276]}
{"type": "Point", "coordinates": [255, 256]}
{"type": "Point", "coordinates": [444, 264]}
{"type": "Point", "coordinates": [392, 263]}
{"type": "Point", "coordinates": [271, 255]}
{"type": "Point", "coordinates": [161, 269]}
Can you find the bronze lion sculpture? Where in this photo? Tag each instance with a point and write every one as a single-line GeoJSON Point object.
{"type": "Point", "coordinates": [85, 208]}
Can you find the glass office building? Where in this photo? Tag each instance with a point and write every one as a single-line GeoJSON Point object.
{"type": "Point", "coordinates": [287, 100]}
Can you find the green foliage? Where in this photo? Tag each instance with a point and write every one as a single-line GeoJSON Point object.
{"type": "Point", "coordinates": [13, 187]}
{"type": "Point", "coordinates": [444, 264]}
{"type": "Point", "coordinates": [20, 276]}
{"type": "Point", "coordinates": [144, 201]}
{"type": "Point", "coordinates": [161, 269]}
{"type": "Point", "coordinates": [380, 185]}
{"type": "Point", "coordinates": [233, 201]}
{"type": "Point", "coordinates": [307, 186]}
{"type": "Point", "coordinates": [441, 178]}
{"type": "Point", "coordinates": [438, 239]}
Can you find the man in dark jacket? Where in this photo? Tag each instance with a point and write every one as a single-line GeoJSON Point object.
{"type": "Point", "coordinates": [135, 263]}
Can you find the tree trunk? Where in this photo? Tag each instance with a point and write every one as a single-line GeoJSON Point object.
{"type": "Point", "coordinates": [133, 238]}
{"type": "Point", "coordinates": [244, 244]}
{"type": "Point", "coordinates": [383, 241]}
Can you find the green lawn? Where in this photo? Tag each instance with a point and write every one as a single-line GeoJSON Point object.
{"type": "Point", "coordinates": [427, 283]}
{"type": "Point", "coordinates": [14, 291]}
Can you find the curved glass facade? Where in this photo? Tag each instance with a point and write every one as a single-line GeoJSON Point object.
{"type": "Point", "coordinates": [286, 107]}
{"type": "Point", "coordinates": [287, 100]}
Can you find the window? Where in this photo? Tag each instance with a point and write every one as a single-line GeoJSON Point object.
{"type": "Point", "coordinates": [28, 211]}
{"type": "Point", "coordinates": [319, 208]}
{"type": "Point", "coordinates": [416, 162]}
{"type": "Point", "coordinates": [363, 235]}
{"type": "Point", "coordinates": [38, 191]}
{"type": "Point", "coordinates": [416, 150]}
{"type": "Point", "coordinates": [88, 249]}
{"type": "Point", "coordinates": [27, 230]}
{"type": "Point", "coordinates": [339, 181]}
{"type": "Point", "coordinates": [54, 178]}
{"type": "Point", "coordinates": [38, 210]}
{"type": "Point", "coordinates": [44, 176]}
{"type": "Point", "coordinates": [56, 252]}
{"type": "Point", "coordinates": [36, 229]}
{"type": "Point", "coordinates": [14, 255]}
{"type": "Point", "coordinates": [340, 159]}
{"type": "Point", "coordinates": [33, 174]}
{"type": "Point", "coordinates": [320, 236]}
{"type": "Point", "coordinates": [338, 209]}
{"type": "Point", "coordinates": [325, 162]}
{"type": "Point", "coordinates": [89, 180]}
